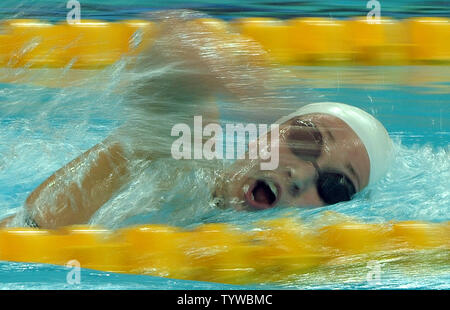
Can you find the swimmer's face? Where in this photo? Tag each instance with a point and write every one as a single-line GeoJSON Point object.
{"type": "Point", "coordinates": [321, 161]}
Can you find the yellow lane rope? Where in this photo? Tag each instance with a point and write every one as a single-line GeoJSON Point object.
{"type": "Point", "coordinates": [220, 252]}
{"type": "Point", "coordinates": [271, 251]}
{"type": "Point", "coordinates": [96, 44]}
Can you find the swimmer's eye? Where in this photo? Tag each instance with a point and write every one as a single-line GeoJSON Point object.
{"type": "Point", "coordinates": [334, 187]}
{"type": "Point", "coordinates": [304, 140]}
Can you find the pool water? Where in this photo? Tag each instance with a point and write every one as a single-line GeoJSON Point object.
{"type": "Point", "coordinates": [55, 10]}
{"type": "Point", "coordinates": [44, 128]}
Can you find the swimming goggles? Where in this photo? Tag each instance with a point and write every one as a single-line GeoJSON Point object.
{"type": "Point", "coordinates": [305, 141]}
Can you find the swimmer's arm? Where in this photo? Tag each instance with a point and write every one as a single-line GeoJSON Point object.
{"type": "Point", "coordinates": [206, 61]}
{"type": "Point", "coordinates": [62, 200]}
{"type": "Point", "coordinates": [6, 221]}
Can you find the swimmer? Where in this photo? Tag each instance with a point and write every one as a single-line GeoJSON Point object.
{"type": "Point", "coordinates": [328, 151]}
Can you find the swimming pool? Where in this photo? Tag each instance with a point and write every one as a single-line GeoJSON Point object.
{"type": "Point", "coordinates": [42, 128]}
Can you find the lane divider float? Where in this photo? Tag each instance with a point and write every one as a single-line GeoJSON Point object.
{"type": "Point", "coordinates": [93, 44]}
{"type": "Point", "coordinates": [271, 251]}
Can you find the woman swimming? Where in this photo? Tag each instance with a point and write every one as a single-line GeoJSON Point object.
{"type": "Point", "coordinates": [327, 151]}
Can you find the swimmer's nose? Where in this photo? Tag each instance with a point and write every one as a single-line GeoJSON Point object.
{"type": "Point", "coordinates": [297, 182]}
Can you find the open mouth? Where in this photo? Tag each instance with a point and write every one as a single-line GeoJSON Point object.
{"type": "Point", "coordinates": [263, 194]}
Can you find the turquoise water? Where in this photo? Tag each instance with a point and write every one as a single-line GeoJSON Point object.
{"type": "Point", "coordinates": [119, 9]}
{"type": "Point", "coordinates": [42, 129]}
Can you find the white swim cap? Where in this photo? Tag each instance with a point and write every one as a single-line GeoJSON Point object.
{"type": "Point", "coordinates": [369, 130]}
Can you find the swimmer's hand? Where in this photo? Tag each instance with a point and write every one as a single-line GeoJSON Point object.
{"type": "Point", "coordinates": [192, 59]}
